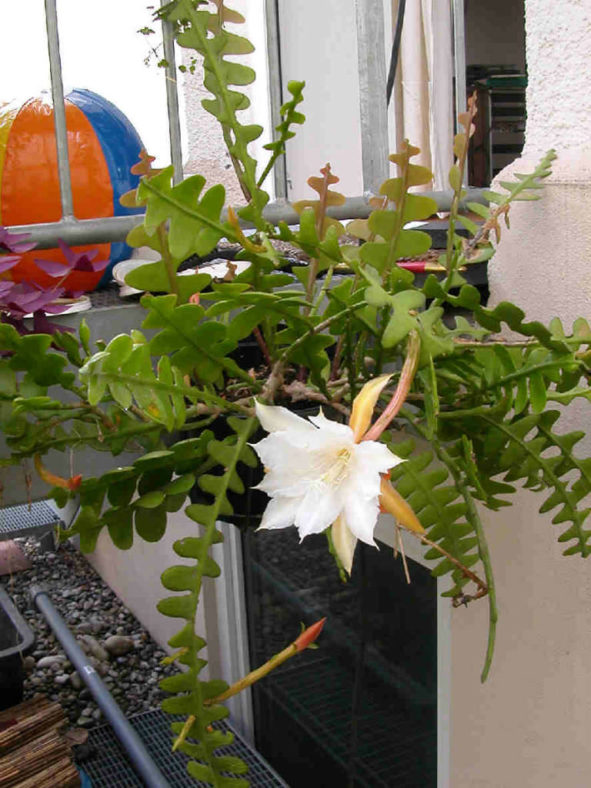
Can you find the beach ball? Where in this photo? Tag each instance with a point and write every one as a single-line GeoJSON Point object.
{"type": "Point", "coordinates": [103, 146]}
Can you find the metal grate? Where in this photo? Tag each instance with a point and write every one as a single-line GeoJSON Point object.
{"type": "Point", "coordinates": [392, 742]}
{"type": "Point", "coordinates": [110, 768]}
{"type": "Point", "coordinates": [24, 519]}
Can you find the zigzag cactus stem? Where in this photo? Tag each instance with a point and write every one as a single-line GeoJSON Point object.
{"type": "Point", "coordinates": [409, 370]}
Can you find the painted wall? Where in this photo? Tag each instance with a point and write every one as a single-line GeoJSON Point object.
{"type": "Point", "coordinates": [126, 572]}
{"type": "Point", "coordinates": [319, 45]}
{"type": "Point", "coordinates": [528, 726]}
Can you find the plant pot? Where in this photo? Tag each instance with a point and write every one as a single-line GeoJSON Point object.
{"type": "Point", "coordinates": [16, 639]}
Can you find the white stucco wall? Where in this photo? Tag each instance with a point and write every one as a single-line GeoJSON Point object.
{"type": "Point", "coordinates": [528, 725]}
{"type": "Point", "coordinates": [207, 154]}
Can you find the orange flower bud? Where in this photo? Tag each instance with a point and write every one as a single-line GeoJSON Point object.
{"type": "Point", "coordinates": [309, 635]}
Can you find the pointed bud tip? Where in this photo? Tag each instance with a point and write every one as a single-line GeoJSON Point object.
{"type": "Point", "coordinates": [309, 635]}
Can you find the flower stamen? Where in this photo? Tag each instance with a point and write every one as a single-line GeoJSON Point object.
{"type": "Point", "coordinates": [338, 471]}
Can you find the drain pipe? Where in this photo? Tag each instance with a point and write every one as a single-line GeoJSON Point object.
{"type": "Point", "coordinates": [133, 745]}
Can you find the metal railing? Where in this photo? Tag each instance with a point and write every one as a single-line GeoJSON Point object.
{"type": "Point", "coordinates": [374, 128]}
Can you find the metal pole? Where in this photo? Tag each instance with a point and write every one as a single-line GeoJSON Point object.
{"type": "Point", "coordinates": [371, 57]}
{"type": "Point", "coordinates": [275, 89]}
{"type": "Point", "coordinates": [59, 109]}
{"type": "Point", "coordinates": [133, 745]}
{"type": "Point", "coordinates": [115, 228]}
{"type": "Point", "coordinates": [172, 100]}
{"type": "Point", "coordinates": [459, 63]}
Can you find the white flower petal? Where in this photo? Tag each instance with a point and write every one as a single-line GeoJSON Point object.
{"type": "Point", "coordinates": [363, 481]}
{"type": "Point", "coordinates": [332, 427]}
{"type": "Point", "coordinates": [274, 418]}
{"type": "Point", "coordinates": [344, 543]}
{"type": "Point", "coordinates": [274, 451]}
{"type": "Point", "coordinates": [280, 513]}
{"type": "Point", "coordinates": [318, 509]}
{"type": "Point", "coordinates": [378, 455]}
{"type": "Point", "coordinates": [276, 484]}
{"type": "Point", "coordinates": [361, 516]}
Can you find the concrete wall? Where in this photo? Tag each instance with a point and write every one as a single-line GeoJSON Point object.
{"type": "Point", "coordinates": [528, 726]}
{"type": "Point", "coordinates": [134, 574]}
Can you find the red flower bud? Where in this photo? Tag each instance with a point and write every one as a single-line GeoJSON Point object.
{"type": "Point", "coordinates": [309, 635]}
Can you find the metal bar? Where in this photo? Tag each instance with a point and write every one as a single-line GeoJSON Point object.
{"type": "Point", "coordinates": [172, 100]}
{"type": "Point", "coordinates": [79, 233]}
{"type": "Point", "coordinates": [371, 57]}
{"type": "Point", "coordinates": [275, 89]}
{"type": "Point", "coordinates": [232, 626]}
{"type": "Point", "coordinates": [459, 34]}
{"type": "Point", "coordinates": [135, 748]}
{"type": "Point", "coordinates": [59, 109]}
{"type": "Point", "coordinates": [395, 54]}
{"type": "Point", "coordinates": [116, 228]}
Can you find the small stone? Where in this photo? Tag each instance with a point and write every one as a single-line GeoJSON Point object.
{"type": "Point", "coordinates": [97, 714]}
{"type": "Point", "coordinates": [96, 625]}
{"type": "Point", "coordinates": [61, 678]}
{"type": "Point", "coordinates": [48, 662]}
{"type": "Point", "coordinates": [118, 645]}
{"type": "Point", "coordinates": [75, 680]}
{"type": "Point", "coordinates": [85, 628]}
{"type": "Point", "coordinates": [28, 664]}
{"type": "Point", "coordinates": [93, 647]}
{"type": "Point", "coordinates": [83, 721]}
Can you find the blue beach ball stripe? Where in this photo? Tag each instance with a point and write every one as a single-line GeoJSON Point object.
{"type": "Point", "coordinates": [121, 146]}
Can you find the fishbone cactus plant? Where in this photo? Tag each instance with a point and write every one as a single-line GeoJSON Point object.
{"type": "Point", "coordinates": [469, 412]}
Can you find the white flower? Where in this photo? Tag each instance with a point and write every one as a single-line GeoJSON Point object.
{"type": "Point", "coordinates": [317, 472]}
{"type": "Point", "coordinates": [321, 473]}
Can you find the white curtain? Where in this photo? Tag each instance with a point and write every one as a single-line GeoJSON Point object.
{"type": "Point", "coordinates": [423, 90]}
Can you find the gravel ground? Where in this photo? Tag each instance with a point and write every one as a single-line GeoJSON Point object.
{"type": "Point", "coordinates": [120, 649]}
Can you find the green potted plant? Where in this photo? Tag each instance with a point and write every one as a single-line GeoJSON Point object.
{"type": "Point", "coordinates": [429, 411]}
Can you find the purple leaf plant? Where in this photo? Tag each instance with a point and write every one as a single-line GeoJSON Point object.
{"type": "Point", "coordinates": [28, 298]}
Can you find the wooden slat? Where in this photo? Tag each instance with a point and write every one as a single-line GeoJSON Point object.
{"type": "Point", "coordinates": [25, 722]}
{"type": "Point", "coordinates": [33, 753]}
{"type": "Point", "coordinates": [32, 758]}
{"type": "Point", "coordinates": [61, 775]}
